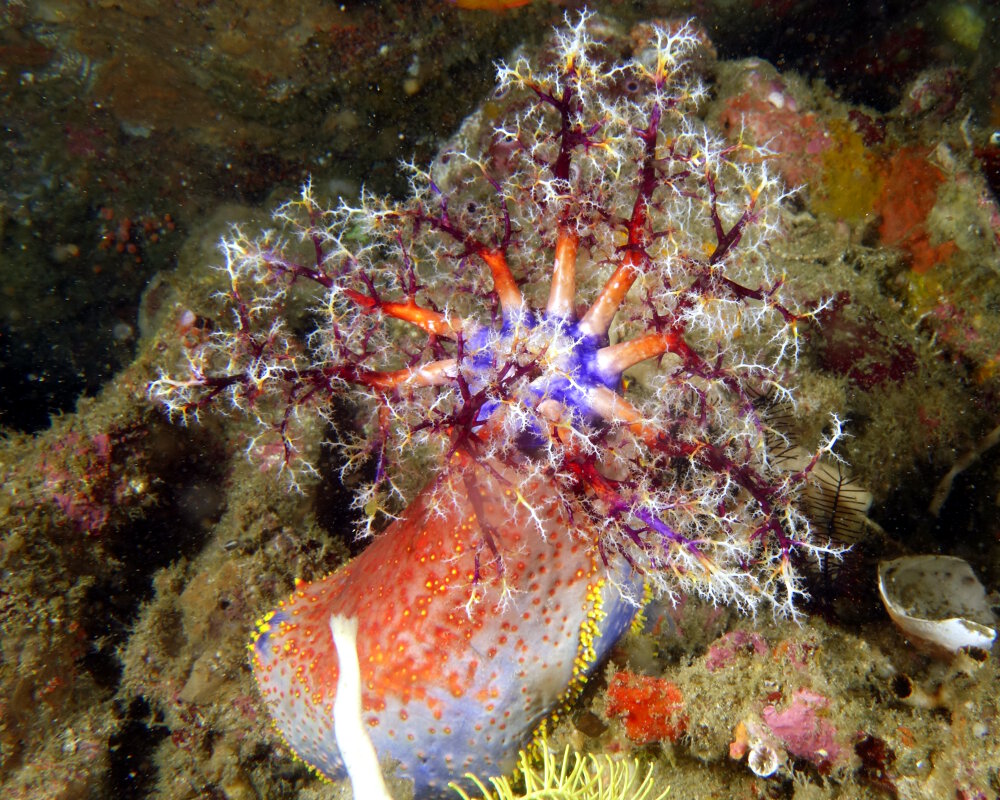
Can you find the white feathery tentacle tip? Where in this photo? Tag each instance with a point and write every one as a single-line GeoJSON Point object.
{"type": "Point", "coordinates": [355, 745]}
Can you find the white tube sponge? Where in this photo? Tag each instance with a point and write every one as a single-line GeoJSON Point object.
{"type": "Point", "coordinates": [353, 741]}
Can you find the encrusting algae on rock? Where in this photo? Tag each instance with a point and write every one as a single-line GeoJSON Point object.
{"type": "Point", "coordinates": [579, 334]}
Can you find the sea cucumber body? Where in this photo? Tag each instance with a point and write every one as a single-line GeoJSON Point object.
{"type": "Point", "coordinates": [457, 671]}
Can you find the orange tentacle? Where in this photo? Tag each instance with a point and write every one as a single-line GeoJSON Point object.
{"type": "Point", "coordinates": [563, 291]}
{"type": "Point", "coordinates": [503, 280]}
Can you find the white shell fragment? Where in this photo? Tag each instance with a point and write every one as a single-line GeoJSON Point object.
{"type": "Point", "coordinates": [938, 601]}
{"type": "Point", "coordinates": [763, 760]}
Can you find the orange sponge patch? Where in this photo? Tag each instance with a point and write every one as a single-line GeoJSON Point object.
{"type": "Point", "coordinates": [652, 709]}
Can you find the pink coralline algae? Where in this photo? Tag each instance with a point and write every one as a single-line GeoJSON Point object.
{"type": "Point", "coordinates": [560, 365]}
{"type": "Point", "coordinates": [770, 113]}
{"type": "Point", "coordinates": [804, 730]}
{"type": "Point", "coordinates": [79, 481]}
{"type": "Point", "coordinates": [727, 648]}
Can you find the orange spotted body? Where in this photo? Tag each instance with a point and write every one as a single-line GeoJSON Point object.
{"type": "Point", "coordinates": [457, 670]}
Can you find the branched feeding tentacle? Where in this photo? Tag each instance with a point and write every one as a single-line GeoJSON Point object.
{"type": "Point", "coordinates": [587, 301]}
